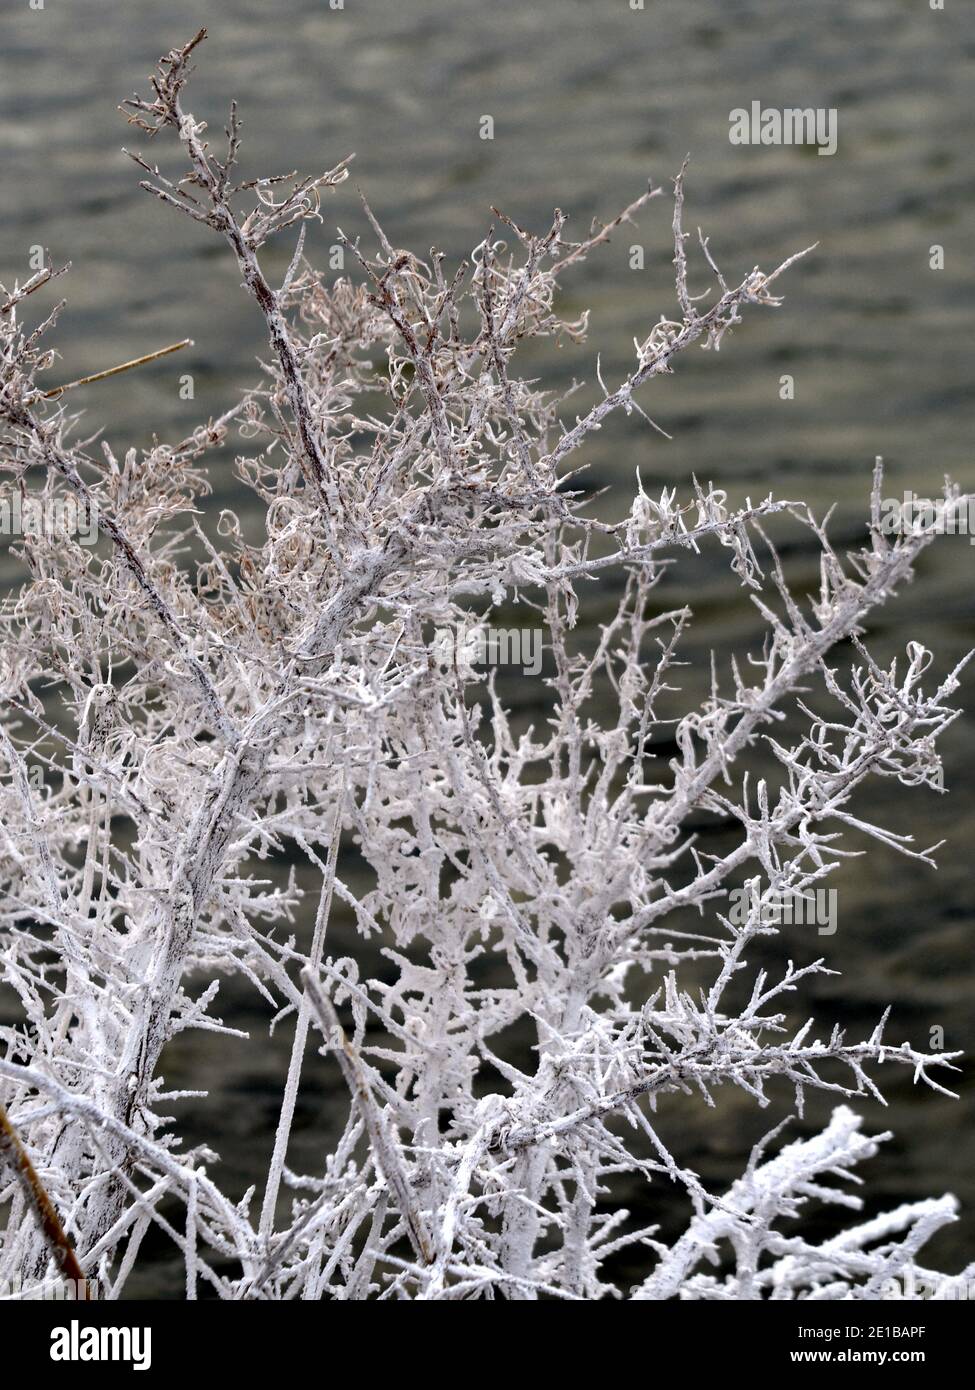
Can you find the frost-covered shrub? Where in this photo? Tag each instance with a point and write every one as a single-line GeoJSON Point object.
{"type": "Point", "coordinates": [199, 702]}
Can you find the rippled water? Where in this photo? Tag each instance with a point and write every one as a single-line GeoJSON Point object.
{"type": "Point", "coordinates": [589, 98]}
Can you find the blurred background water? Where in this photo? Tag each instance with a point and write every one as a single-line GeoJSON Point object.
{"type": "Point", "coordinates": [590, 98]}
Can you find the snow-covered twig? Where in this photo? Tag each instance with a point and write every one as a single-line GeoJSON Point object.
{"type": "Point", "coordinates": [195, 703]}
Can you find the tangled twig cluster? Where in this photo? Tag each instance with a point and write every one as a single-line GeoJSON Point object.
{"type": "Point", "coordinates": [201, 704]}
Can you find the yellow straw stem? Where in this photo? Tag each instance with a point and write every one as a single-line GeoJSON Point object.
{"type": "Point", "coordinates": [44, 1209]}
{"type": "Point", "coordinates": [114, 371]}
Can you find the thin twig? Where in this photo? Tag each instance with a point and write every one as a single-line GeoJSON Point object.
{"type": "Point", "coordinates": [44, 1209]}
{"type": "Point", "coordinates": [114, 371]}
{"type": "Point", "coordinates": [385, 1145]}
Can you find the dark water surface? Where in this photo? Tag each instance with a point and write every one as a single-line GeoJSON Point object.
{"type": "Point", "coordinates": [589, 99]}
